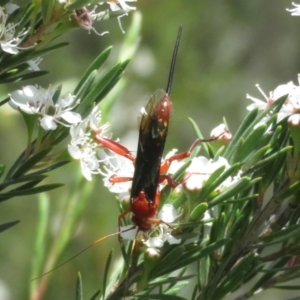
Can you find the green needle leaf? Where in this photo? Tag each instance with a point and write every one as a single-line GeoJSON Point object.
{"type": "Point", "coordinates": [96, 64]}
{"type": "Point", "coordinates": [96, 295]}
{"type": "Point", "coordinates": [231, 191]}
{"type": "Point", "coordinates": [7, 225]}
{"type": "Point", "coordinates": [159, 297]}
{"type": "Point", "coordinates": [2, 169]}
{"type": "Point", "coordinates": [29, 191]}
{"type": "Point", "coordinates": [107, 265]}
{"type": "Point", "coordinates": [165, 262]}
{"type": "Point", "coordinates": [31, 162]}
{"type": "Point", "coordinates": [238, 136]}
{"type": "Point", "coordinates": [79, 291]}
{"type": "Point", "coordinates": [235, 277]}
{"type": "Point", "coordinates": [47, 8]}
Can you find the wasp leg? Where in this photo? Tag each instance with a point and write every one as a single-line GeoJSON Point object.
{"type": "Point", "coordinates": [114, 147]}
{"type": "Point", "coordinates": [165, 165]}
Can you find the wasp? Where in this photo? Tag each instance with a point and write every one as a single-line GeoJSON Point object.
{"type": "Point", "coordinates": [150, 170]}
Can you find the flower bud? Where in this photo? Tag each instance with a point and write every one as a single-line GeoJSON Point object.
{"type": "Point", "coordinates": [152, 256]}
{"type": "Point", "coordinates": [221, 133]}
{"type": "Point", "coordinates": [82, 17]}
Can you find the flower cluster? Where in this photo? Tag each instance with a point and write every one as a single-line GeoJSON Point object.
{"type": "Point", "coordinates": [83, 146]}
{"type": "Point", "coordinates": [14, 38]}
{"type": "Point", "coordinates": [11, 36]}
{"type": "Point", "coordinates": [291, 107]}
{"type": "Point", "coordinates": [200, 170]}
{"type": "Point", "coordinates": [40, 103]}
{"type": "Point", "coordinates": [85, 17]}
{"type": "Point", "coordinates": [9, 40]}
{"type": "Point", "coordinates": [37, 101]}
{"type": "Point", "coordinates": [116, 5]}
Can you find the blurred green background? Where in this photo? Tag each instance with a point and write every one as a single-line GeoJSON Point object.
{"type": "Point", "coordinates": [226, 48]}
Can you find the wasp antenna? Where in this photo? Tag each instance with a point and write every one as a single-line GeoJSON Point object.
{"type": "Point", "coordinates": [172, 67]}
{"type": "Point", "coordinates": [91, 245]}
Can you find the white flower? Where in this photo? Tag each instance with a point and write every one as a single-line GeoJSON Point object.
{"type": "Point", "coordinates": [88, 161]}
{"type": "Point", "coordinates": [162, 233]}
{"type": "Point", "coordinates": [8, 42]}
{"type": "Point", "coordinates": [163, 236]}
{"type": "Point", "coordinates": [29, 99]}
{"type": "Point", "coordinates": [294, 120]}
{"type": "Point", "coordinates": [168, 213]}
{"type": "Point", "coordinates": [82, 145]}
{"type": "Point", "coordinates": [116, 5]}
{"type": "Point", "coordinates": [200, 170]}
{"type": "Point", "coordinates": [33, 100]}
{"type": "Point", "coordinates": [122, 169]}
{"type": "Point", "coordinates": [294, 11]}
{"type": "Point", "coordinates": [291, 105]}
{"type": "Point", "coordinates": [174, 166]}
{"type": "Point", "coordinates": [261, 105]}
{"type": "Point", "coordinates": [52, 113]}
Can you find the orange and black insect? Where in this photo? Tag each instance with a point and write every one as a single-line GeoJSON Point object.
{"type": "Point", "coordinates": [149, 170]}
